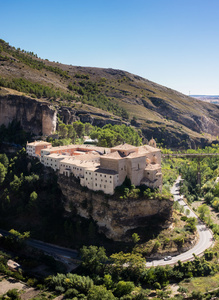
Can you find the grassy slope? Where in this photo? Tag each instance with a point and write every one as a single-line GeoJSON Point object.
{"type": "Point", "coordinates": [155, 107]}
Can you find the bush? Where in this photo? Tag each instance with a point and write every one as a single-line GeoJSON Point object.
{"type": "Point", "coordinates": [157, 285]}
{"type": "Point", "coordinates": [71, 293]}
{"type": "Point", "coordinates": [99, 292]}
{"type": "Point", "coordinates": [13, 294]}
{"type": "Point", "coordinates": [123, 288]}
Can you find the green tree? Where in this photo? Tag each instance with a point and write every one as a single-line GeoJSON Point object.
{"type": "Point", "coordinates": [4, 160]}
{"type": "Point", "coordinates": [204, 211]}
{"type": "Point", "coordinates": [108, 282]}
{"type": "Point", "coordinates": [63, 130]}
{"type": "Point", "coordinates": [16, 239]}
{"type": "Point", "coordinates": [2, 173]}
{"type": "Point", "coordinates": [88, 128]}
{"type": "Point", "coordinates": [93, 258]}
{"type": "Point", "coordinates": [79, 128]}
{"type": "Point", "coordinates": [71, 133]}
{"type": "Point", "coordinates": [133, 264]}
{"type": "Point", "coordinates": [12, 295]}
{"type": "Point", "coordinates": [33, 199]}
{"type": "Point", "coordinates": [123, 288]}
{"type": "Point", "coordinates": [99, 292]}
{"type": "Point", "coordinates": [135, 238]}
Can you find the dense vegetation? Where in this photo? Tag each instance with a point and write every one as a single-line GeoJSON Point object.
{"type": "Point", "coordinates": [35, 89]}
{"type": "Point", "coordinates": [31, 194]}
{"type": "Point", "coordinates": [107, 136]}
{"type": "Point", "coordinates": [102, 277]}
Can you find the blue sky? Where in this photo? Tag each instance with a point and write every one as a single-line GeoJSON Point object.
{"type": "Point", "coordinates": [171, 42]}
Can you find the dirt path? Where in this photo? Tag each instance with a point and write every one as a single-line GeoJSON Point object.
{"type": "Point", "coordinates": [11, 283]}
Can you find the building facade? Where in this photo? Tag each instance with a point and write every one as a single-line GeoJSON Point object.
{"type": "Point", "coordinates": [103, 169]}
{"type": "Point", "coordinates": [34, 148]}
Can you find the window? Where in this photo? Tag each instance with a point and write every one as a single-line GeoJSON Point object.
{"type": "Point", "coordinates": [100, 185]}
{"type": "Point", "coordinates": [110, 181]}
{"type": "Point", "coordinates": [110, 176]}
{"type": "Point", "coordinates": [95, 184]}
{"type": "Point", "coordinates": [105, 180]}
{"type": "Point", "coordinates": [104, 175]}
{"type": "Point", "coordinates": [104, 186]}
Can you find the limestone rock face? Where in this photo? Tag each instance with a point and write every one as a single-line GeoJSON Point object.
{"type": "Point", "coordinates": [113, 215]}
{"type": "Point", "coordinates": [69, 115]}
{"type": "Point", "coordinates": [34, 116]}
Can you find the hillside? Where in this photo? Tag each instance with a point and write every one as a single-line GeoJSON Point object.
{"type": "Point", "coordinates": [95, 95]}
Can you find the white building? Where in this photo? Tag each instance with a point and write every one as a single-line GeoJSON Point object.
{"type": "Point", "coordinates": [105, 168]}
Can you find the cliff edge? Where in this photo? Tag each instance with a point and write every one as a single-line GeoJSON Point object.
{"type": "Point", "coordinates": [34, 116]}
{"type": "Point", "coordinates": [114, 216]}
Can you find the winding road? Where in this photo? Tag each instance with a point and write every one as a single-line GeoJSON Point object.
{"type": "Point", "coordinates": [205, 241]}
{"type": "Point", "coordinates": [65, 255]}
{"type": "Point", "coordinates": [205, 235]}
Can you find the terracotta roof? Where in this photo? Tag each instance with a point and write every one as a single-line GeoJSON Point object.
{"type": "Point", "coordinates": [153, 167]}
{"type": "Point", "coordinates": [80, 148]}
{"type": "Point", "coordinates": [150, 148]}
{"type": "Point", "coordinates": [113, 155]}
{"type": "Point", "coordinates": [36, 143]}
{"type": "Point", "coordinates": [79, 163]}
{"type": "Point", "coordinates": [63, 147]}
{"type": "Point", "coordinates": [124, 147]}
{"type": "Point", "coordinates": [136, 154]}
{"type": "Point", "coordinates": [143, 149]}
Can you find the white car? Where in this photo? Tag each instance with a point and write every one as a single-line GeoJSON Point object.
{"type": "Point", "coordinates": [167, 257]}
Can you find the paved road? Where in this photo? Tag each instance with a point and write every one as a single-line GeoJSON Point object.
{"type": "Point", "coordinates": [204, 242]}
{"type": "Point", "coordinates": [205, 235]}
{"type": "Point", "coordinates": [60, 253]}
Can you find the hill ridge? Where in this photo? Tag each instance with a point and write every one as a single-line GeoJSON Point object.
{"type": "Point", "coordinates": [174, 119]}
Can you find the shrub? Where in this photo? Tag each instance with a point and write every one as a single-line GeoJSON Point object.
{"type": "Point", "coordinates": [157, 285]}
{"type": "Point", "coordinates": [123, 288]}
{"type": "Point", "coordinates": [13, 294]}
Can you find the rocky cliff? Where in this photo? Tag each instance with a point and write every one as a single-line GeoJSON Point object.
{"type": "Point", "coordinates": [69, 115]}
{"type": "Point", "coordinates": [114, 216]}
{"type": "Point", "coordinates": [34, 116]}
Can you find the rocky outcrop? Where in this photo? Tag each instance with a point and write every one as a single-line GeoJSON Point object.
{"type": "Point", "coordinates": [114, 216]}
{"type": "Point", "coordinates": [69, 115]}
{"type": "Point", "coordinates": [34, 116]}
